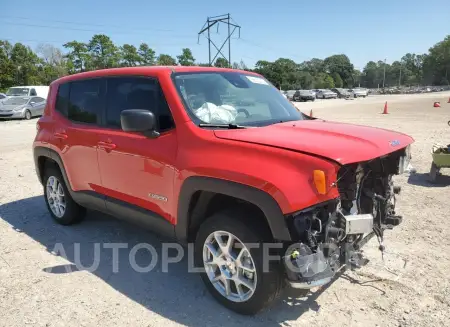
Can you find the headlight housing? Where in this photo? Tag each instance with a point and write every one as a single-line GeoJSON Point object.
{"type": "Point", "coordinates": [18, 108]}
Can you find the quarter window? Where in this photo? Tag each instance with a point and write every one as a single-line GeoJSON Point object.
{"type": "Point", "coordinates": [62, 99]}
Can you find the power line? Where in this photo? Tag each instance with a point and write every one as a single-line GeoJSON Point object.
{"type": "Point", "coordinates": [86, 24]}
{"type": "Point", "coordinates": [62, 42]}
{"type": "Point", "coordinates": [93, 31]}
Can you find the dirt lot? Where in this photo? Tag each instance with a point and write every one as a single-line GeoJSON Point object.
{"type": "Point", "coordinates": [412, 288]}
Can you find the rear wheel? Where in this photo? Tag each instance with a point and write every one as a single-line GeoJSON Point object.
{"type": "Point", "coordinates": [63, 209]}
{"type": "Point", "coordinates": [232, 255]}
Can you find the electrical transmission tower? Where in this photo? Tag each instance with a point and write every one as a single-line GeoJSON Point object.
{"type": "Point", "coordinates": [216, 21]}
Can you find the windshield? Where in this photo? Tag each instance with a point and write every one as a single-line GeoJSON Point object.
{"type": "Point", "coordinates": [15, 101]}
{"type": "Point", "coordinates": [14, 91]}
{"type": "Point", "coordinates": [233, 98]}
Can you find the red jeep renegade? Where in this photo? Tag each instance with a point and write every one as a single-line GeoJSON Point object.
{"type": "Point", "coordinates": [220, 158]}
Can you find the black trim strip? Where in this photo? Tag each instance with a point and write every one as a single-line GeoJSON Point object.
{"type": "Point", "coordinates": [261, 199]}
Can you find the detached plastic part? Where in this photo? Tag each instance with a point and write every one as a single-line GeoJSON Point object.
{"type": "Point", "coordinates": [308, 269]}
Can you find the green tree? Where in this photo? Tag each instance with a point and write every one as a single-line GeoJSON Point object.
{"type": "Point", "coordinates": [436, 65]}
{"type": "Point", "coordinates": [77, 57]}
{"type": "Point", "coordinates": [341, 65]}
{"type": "Point", "coordinates": [147, 55]}
{"type": "Point", "coordinates": [221, 62]}
{"type": "Point", "coordinates": [166, 60]}
{"type": "Point", "coordinates": [103, 52]}
{"type": "Point", "coordinates": [7, 69]}
{"type": "Point", "coordinates": [25, 63]}
{"type": "Point", "coordinates": [129, 56]}
{"type": "Point", "coordinates": [186, 58]}
{"type": "Point", "coordinates": [337, 80]}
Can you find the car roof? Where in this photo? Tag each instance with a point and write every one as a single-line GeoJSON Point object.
{"type": "Point", "coordinates": [144, 70]}
{"type": "Point", "coordinates": [29, 86]}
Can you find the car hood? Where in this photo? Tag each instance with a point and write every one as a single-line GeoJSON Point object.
{"type": "Point", "coordinates": [343, 143]}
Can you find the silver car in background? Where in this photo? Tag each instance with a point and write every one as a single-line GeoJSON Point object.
{"type": "Point", "coordinates": [22, 107]}
{"type": "Point", "coordinates": [325, 94]}
{"type": "Point", "coordinates": [358, 92]}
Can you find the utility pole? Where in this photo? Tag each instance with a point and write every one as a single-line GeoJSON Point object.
{"type": "Point", "coordinates": [217, 20]}
{"type": "Point", "coordinates": [384, 72]}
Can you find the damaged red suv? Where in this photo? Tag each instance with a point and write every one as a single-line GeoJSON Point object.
{"type": "Point", "coordinates": [219, 158]}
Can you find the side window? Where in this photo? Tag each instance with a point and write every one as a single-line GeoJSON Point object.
{"type": "Point", "coordinates": [62, 99]}
{"type": "Point", "coordinates": [85, 101]}
{"type": "Point", "coordinates": [37, 99]}
{"type": "Point", "coordinates": [136, 93]}
{"type": "Point", "coordinates": [33, 92]}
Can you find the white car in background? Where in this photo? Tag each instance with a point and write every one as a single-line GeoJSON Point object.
{"type": "Point", "coordinates": [325, 94]}
{"type": "Point", "coordinates": [28, 91]}
{"type": "Point", "coordinates": [358, 92]}
{"type": "Point", "coordinates": [290, 94]}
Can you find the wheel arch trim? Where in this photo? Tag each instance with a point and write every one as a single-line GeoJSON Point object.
{"type": "Point", "coordinates": [264, 201]}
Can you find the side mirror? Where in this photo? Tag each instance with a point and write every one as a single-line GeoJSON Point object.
{"type": "Point", "coordinates": [139, 120]}
{"type": "Point", "coordinates": [32, 103]}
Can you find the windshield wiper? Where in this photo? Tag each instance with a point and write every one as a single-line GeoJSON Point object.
{"type": "Point", "coordinates": [227, 126]}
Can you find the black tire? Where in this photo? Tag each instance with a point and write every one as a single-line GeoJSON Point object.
{"type": "Point", "coordinates": [269, 284]}
{"type": "Point", "coordinates": [28, 115]}
{"type": "Point", "coordinates": [74, 213]}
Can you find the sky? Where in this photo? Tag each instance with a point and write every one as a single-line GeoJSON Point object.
{"type": "Point", "coordinates": [299, 30]}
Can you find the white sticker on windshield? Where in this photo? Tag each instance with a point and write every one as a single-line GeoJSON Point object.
{"type": "Point", "coordinates": [257, 80]}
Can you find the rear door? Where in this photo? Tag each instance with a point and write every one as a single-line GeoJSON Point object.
{"type": "Point", "coordinates": [79, 105]}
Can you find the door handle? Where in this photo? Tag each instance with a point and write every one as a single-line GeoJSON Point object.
{"type": "Point", "coordinates": [106, 146]}
{"type": "Point", "coordinates": [61, 136]}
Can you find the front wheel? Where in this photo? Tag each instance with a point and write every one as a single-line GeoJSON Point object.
{"type": "Point", "coordinates": [27, 115]}
{"type": "Point", "coordinates": [231, 253]}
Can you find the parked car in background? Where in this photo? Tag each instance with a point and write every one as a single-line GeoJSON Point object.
{"type": "Point", "coordinates": [326, 94]}
{"type": "Point", "coordinates": [342, 93]}
{"type": "Point", "coordinates": [313, 92]}
{"type": "Point", "coordinates": [28, 91]}
{"type": "Point", "coordinates": [22, 107]}
{"type": "Point", "coordinates": [304, 95]}
{"type": "Point", "coordinates": [357, 93]}
{"type": "Point", "coordinates": [290, 94]}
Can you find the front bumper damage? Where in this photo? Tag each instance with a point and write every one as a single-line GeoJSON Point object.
{"type": "Point", "coordinates": [329, 236]}
{"type": "Point", "coordinates": [306, 269]}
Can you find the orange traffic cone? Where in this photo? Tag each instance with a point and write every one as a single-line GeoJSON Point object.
{"type": "Point", "coordinates": [437, 105]}
{"type": "Point", "coordinates": [385, 111]}
{"type": "Point", "coordinates": [311, 113]}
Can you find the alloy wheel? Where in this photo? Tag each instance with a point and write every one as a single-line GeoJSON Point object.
{"type": "Point", "coordinates": [229, 266]}
{"type": "Point", "coordinates": [56, 197]}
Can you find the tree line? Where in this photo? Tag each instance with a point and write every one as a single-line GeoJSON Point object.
{"type": "Point", "coordinates": [20, 65]}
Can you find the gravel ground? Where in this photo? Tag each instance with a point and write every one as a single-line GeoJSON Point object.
{"type": "Point", "coordinates": [411, 287]}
